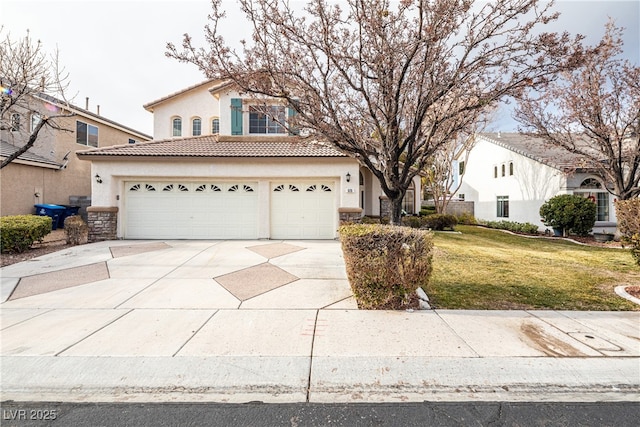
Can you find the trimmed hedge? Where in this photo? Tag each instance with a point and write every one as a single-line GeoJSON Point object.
{"type": "Point", "coordinates": [17, 233]}
{"type": "Point", "coordinates": [628, 214]}
{"type": "Point", "coordinates": [440, 222]}
{"type": "Point", "coordinates": [516, 227]}
{"type": "Point", "coordinates": [386, 264]}
{"type": "Point", "coordinates": [76, 230]}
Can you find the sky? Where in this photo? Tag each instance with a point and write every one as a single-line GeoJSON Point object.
{"type": "Point", "coordinates": [114, 51]}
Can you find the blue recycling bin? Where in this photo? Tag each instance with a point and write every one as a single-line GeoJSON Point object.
{"type": "Point", "coordinates": [53, 211]}
{"type": "Point", "coordinates": [69, 210]}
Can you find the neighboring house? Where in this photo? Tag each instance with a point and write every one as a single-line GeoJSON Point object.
{"type": "Point", "coordinates": [49, 172]}
{"type": "Point", "coordinates": [509, 176]}
{"type": "Point", "coordinates": [220, 169]}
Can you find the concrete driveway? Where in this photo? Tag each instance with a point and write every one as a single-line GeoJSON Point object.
{"type": "Point", "coordinates": [238, 321]}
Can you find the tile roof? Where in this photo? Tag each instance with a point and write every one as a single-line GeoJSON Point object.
{"type": "Point", "coordinates": [7, 149]}
{"type": "Point", "coordinates": [536, 149]}
{"type": "Point", "coordinates": [219, 146]}
{"type": "Point", "coordinates": [149, 105]}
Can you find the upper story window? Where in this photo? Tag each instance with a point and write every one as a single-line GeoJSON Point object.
{"type": "Point", "coordinates": [510, 168]}
{"type": "Point", "coordinates": [86, 134]}
{"type": "Point", "coordinates": [215, 125]}
{"type": "Point", "coordinates": [503, 170]}
{"type": "Point", "coordinates": [495, 171]}
{"type": "Point", "coordinates": [15, 122]}
{"type": "Point", "coordinates": [132, 141]}
{"type": "Point", "coordinates": [196, 127]}
{"type": "Point", "coordinates": [461, 168]}
{"type": "Point", "coordinates": [176, 125]}
{"type": "Point", "coordinates": [35, 120]}
{"type": "Point", "coordinates": [267, 120]}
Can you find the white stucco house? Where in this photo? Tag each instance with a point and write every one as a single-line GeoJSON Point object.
{"type": "Point", "coordinates": [509, 176]}
{"type": "Point", "coordinates": [219, 169]}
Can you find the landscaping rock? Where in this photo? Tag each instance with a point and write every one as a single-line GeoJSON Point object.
{"type": "Point", "coordinates": [422, 295]}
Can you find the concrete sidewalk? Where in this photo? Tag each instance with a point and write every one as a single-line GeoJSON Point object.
{"type": "Point", "coordinates": [238, 321]}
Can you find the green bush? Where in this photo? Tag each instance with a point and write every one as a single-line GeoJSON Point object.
{"type": "Point", "coordinates": [386, 264]}
{"type": "Point", "coordinates": [440, 222]}
{"type": "Point", "coordinates": [516, 227]}
{"type": "Point", "coordinates": [427, 210]}
{"type": "Point", "coordinates": [570, 213]}
{"type": "Point", "coordinates": [628, 214]}
{"type": "Point", "coordinates": [76, 230]}
{"type": "Point", "coordinates": [20, 231]}
{"type": "Point", "coordinates": [467, 219]}
{"type": "Point", "coordinates": [412, 221]}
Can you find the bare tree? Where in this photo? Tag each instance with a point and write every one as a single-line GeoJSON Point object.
{"type": "Point", "coordinates": [387, 87]}
{"type": "Point", "coordinates": [28, 77]}
{"type": "Point", "coordinates": [594, 112]}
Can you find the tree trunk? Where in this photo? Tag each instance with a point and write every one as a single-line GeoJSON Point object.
{"type": "Point", "coordinates": [396, 211]}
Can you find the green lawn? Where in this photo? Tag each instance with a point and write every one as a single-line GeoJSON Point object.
{"type": "Point", "coordinates": [490, 269]}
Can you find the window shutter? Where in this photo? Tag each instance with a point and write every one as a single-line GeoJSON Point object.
{"type": "Point", "coordinates": [236, 116]}
{"type": "Point", "coordinates": [290, 114]}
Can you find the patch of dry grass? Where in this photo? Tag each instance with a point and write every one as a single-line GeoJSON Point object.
{"type": "Point", "coordinates": [490, 269]}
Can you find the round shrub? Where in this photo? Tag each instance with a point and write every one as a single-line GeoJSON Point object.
{"type": "Point", "coordinates": [570, 213]}
{"type": "Point", "coordinates": [18, 232]}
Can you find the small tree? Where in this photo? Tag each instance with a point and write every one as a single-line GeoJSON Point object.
{"type": "Point", "coordinates": [569, 213]}
{"type": "Point", "coordinates": [388, 87]}
{"type": "Point", "coordinates": [441, 179]}
{"type": "Point", "coordinates": [27, 74]}
{"type": "Point", "coordinates": [594, 112]}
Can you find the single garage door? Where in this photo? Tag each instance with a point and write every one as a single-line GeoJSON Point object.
{"type": "Point", "coordinates": [303, 210]}
{"type": "Point", "coordinates": [191, 210]}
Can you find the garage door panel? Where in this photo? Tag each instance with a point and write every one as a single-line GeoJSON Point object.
{"type": "Point", "coordinates": [303, 210]}
{"type": "Point", "coordinates": [183, 210]}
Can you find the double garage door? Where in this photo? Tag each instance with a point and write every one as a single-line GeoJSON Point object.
{"type": "Point", "coordinates": [228, 210]}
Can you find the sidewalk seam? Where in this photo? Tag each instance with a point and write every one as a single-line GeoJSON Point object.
{"type": "Point", "coordinates": [313, 339]}
{"type": "Point", "coordinates": [195, 333]}
{"type": "Point", "coordinates": [92, 333]}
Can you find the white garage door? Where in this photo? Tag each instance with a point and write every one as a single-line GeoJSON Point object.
{"type": "Point", "coordinates": [303, 210]}
{"type": "Point", "coordinates": [188, 210]}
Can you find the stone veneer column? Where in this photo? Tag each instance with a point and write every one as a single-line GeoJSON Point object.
{"type": "Point", "coordinates": [350, 215]}
{"type": "Point", "coordinates": [385, 207]}
{"type": "Point", "coordinates": [102, 222]}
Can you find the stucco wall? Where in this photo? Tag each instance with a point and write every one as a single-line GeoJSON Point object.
{"type": "Point", "coordinates": [531, 184]}
{"type": "Point", "coordinates": [197, 102]}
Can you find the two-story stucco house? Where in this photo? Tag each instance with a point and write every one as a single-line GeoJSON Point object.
{"type": "Point", "coordinates": [220, 168]}
{"type": "Point", "coordinates": [509, 176]}
{"type": "Point", "coordinates": [50, 172]}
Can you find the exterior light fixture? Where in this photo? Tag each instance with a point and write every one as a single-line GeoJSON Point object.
{"type": "Point", "coordinates": [348, 177]}
{"type": "Point", "coordinates": [98, 179]}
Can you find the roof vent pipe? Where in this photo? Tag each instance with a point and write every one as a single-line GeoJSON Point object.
{"type": "Point", "coordinates": [86, 103]}
{"type": "Point", "coordinates": [98, 109]}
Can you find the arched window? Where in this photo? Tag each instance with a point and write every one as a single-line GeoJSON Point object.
{"type": "Point", "coordinates": [591, 183]}
{"type": "Point", "coordinates": [215, 125]}
{"type": "Point", "coordinates": [196, 127]}
{"type": "Point", "coordinates": [177, 126]}
{"type": "Point", "coordinates": [592, 189]}
{"type": "Point", "coordinates": [511, 169]}
{"type": "Point", "coordinates": [503, 170]}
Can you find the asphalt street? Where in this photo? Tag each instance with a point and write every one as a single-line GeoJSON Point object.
{"type": "Point", "coordinates": [601, 414]}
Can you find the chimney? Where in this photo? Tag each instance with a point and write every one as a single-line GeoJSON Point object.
{"type": "Point", "coordinates": [86, 103]}
{"type": "Point", "coordinates": [498, 134]}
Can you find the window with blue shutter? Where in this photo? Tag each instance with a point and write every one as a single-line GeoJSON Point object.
{"type": "Point", "coordinates": [236, 116]}
{"type": "Point", "coordinates": [292, 130]}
